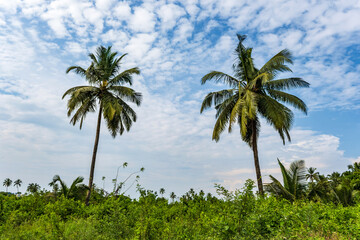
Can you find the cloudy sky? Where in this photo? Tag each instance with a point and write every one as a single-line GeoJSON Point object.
{"type": "Point", "coordinates": [174, 43]}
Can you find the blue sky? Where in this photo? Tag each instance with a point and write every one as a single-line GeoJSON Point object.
{"type": "Point", "coordinates": [174, 43]}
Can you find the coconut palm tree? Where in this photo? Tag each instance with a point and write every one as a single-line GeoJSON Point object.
{"type": "Point", "coordinates": [7, 183]}
{"type": "Point", "coordinates": [172, 196]}
{"type": "Point", "coordinates": [312, 174]}
{"type": "Point", "coordinates": [105, 90]}
{"type": "Point", "coordinates": [253, 93]}
{"type": "Point", "coordinates": [294, 180]}
{"type": "Point", "coordinates": [17, 184]}
{"type": "Point", "coordinates": [162, 191]}
{"type": "Point", "coordinates": [75, 190]}
{"type": "Point", "coordinates": [33, 188]}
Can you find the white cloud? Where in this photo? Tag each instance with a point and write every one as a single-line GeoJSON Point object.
{"type": "Point", "coordinates": [169, 14]}
{"type": "Point", "coordinates": [140, 44]}
{"type": "Point", "coordinates": [94, 17]}
{"type": "Point", "coordinates": [191, 7]}
{"type": "Point", "coordinates": [170, 138]}
{"type": "Point", "coordinates": [183, 31]}
{"type": "Point", "coordinates": [104, 5]}
{"type": "Point", "coordinates": [75, 47]}
{"type": "Point", "coordinates": [142, 20]}
{"type": "Point", "coordinates": [122, 11]}
{"type": "Point", "coordinates": [10, 6]}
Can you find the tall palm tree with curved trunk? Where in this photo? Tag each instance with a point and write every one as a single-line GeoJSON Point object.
{"type": "Point", "coordinates": [253, 93]}
{"type": "Point", "coordinates": [17, 184]}
{"type": "Point", "coordinates": [106, 90]}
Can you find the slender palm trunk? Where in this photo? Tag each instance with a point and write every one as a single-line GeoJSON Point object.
{"type": "Point", "coordinates": [92, 168]}
{"type": "Point", "coordinates": [256, 159]}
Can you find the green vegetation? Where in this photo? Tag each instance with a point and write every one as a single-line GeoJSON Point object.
{"type": "Point", "coordinates": [254, 92]}
{"type": "Point", "coordinates": [105, 87]}
{"type": "Point", "coordinates": [234, 215]}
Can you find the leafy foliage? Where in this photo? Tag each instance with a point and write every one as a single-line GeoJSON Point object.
{"type": "Point", "coordinates": [76, 190]}
{"type": "Point", "coordinates": [234, 215]}
{"type": "Point", "coordinates": [294, 180]}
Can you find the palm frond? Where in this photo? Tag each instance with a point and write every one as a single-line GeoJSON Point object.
{"type": "Point", "coordinates": [276, 114]}
{"type": "Point", "coordinates": [117, 114]}
{"type": "Point", "coordinates": [278, 189]}
{"type": "Point", "coordinates": [74, 184]}
{"type": "Point", "coordinates": [78, 70]}
{"type": "Point", "coordinates": [289, 99]}
{"type": "Point", "coordinates": [223, 118]}
{"type": "Point", "coordinates": [80, 96]}
{"type": "Point", "coordinates": [220, 77]}
{"type": "Point", "coordinates": [235, 112]}
{"type": "Point", "coordinates": [87, 106]}
{"type": "Point", "coordinates": [127, 94]}
{"type": "Point", "coordinates": [71, 90]}
{"type": "Point", "coordinates": [286, 84]}
{"type": "Point", "coordinates": [64, 187]}
{"type": "Point", "coordinates": [216, 98]}
{"type": "Point", "coordinates": [277, 63]}
{"type": "Point", "coordinates": [124, 77]}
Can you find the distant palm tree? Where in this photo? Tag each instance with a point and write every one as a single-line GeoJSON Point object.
{"type": "Point", "coordinates": [172, 196]}
{"type": "Point", "coordinates": [253, 93]}
{"type": "Point", "coordinates": [105, 89]}
{"type": "Point", "coordinates": [33, 188]}
{"type": "Point", "coordinates": [312, 174]}
{"type": "Point", "coordinates": [7, 183]}
{"type": "Point", "coordinates": [17, 184]}
{"type": "Point", "coordinates": [294, 180]}
{"type": "Point", "coordinates": [75, 189]}
{"type": "Point", "coordinates": [103, 179]}
{"type": "Point", "coordinates": [162, 191]}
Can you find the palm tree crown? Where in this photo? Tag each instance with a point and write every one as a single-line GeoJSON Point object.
{"type": "Point", "coordinates": [312, 174]}
{"type": "Point", "coordinates": [7, 183]}
{"type": "Point", "coordinates": [254, 92]}
{"type": "Point", "coordinates": [33, 188]}
{"type": "Point", "coordinates": [17, 184]}
{"type": "Point", "coordinates": [105, 88]}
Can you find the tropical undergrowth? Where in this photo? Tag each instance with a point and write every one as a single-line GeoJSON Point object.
{"type": "Point", "coordinates": [232, 215]}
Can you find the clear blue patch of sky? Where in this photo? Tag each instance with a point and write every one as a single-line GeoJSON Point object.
{"type": "Point", "coordinates": [344, 124]}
